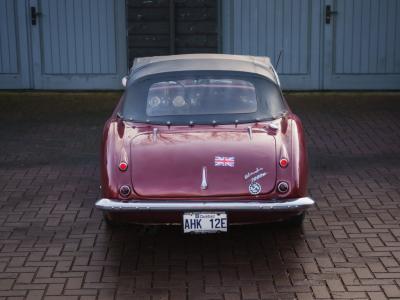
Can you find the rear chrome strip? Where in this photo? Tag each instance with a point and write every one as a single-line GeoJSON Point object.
{"type": "Point", "coordinates": [155, 132]}
{"type": "Point", "coordinates": [250, 132]}
{"type": "Point", "coordinates": [204, 179]}
{"type": "Point", "coordinates": [296, 204]}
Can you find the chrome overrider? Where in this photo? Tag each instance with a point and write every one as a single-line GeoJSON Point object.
{"type": "Point", "coordinates": [295, 204]}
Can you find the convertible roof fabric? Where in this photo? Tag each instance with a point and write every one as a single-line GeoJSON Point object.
{"type": "Point", "coordinates": [144, 66]}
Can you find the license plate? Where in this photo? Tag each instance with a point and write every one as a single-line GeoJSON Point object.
{"type": "Point", "coordinates": [205, 222]}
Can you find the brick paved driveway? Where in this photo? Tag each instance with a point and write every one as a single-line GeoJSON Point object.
{"type": "Point", "coordinates": [54, 245]}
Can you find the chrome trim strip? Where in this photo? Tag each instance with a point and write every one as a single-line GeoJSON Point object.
{"type": "Point", "coordinates": [276, 75]}
{"type": "Point", "coordinates": [204, 184]}
{"type": "Point", "coordinates": [295, 204]}
{"type": "Point", "coordinates": [155, 132]}
{"type": "Point", "coordinates": [250, 132]}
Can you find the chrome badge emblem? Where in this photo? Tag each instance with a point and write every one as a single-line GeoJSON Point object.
{"type": "Point", "coordinates": [254, 188]}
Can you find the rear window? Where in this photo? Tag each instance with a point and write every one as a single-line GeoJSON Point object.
{"type": "Point", "coordinates": [201, 96]}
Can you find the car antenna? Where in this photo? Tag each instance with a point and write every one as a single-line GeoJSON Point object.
{"type": "Point", "coordinates": [214, 123]}
{"type": "Point", "coordinates": [236, 123]}
{"type": "Point", "coordinates": [279, 59]}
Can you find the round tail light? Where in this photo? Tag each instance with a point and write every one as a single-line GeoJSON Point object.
{"type": "Point", "coordinates": [283, 187]}
{"type": "Point", "coordinates": [283, 162]}
{"type": "Point", "coordinates": [123, 166]}
{"type": "Point", "coordinates": [125, 190]}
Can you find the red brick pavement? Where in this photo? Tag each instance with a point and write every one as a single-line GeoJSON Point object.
{"type": "Point", "coordinates": [54, 244]}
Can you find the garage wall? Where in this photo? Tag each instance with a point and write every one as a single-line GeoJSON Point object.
{"type": "Point", "coordinates": [149, 22]}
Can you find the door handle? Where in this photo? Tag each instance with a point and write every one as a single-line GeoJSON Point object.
{"type": "Point", "coordinates": [34, 15]}
{"type": "Point", "coordinates": [329, 13]}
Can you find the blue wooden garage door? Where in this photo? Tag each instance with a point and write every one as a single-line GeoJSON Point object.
{"type": "Point", "coordinates": [79, 44]}
{"type": "Point", "coordinates": [74, 44]}
{"type": "Point", "coordinates": [357, 49]}
{"type": "Point", "coordinates": [362, 45]}
{"type": "Point", "coordinates": [267, 27]}
{"type": "Point", "coordinates": [14, 59]}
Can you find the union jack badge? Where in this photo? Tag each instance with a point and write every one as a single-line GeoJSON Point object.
{"type": "Point", "coordinates": [223, 161]}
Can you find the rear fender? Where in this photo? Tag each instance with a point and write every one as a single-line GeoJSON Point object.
{"type": "Point", "coordinates": [114, 149]}
{"type": "Point", "coordinates": [291, 145]}
{"type": "Point", "coordinates": [299, 157]}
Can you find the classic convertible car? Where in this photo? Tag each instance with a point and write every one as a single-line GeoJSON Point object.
{"type": "Point", "coordinates": [205, 141]}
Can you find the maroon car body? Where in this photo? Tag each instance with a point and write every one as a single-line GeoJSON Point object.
{"type": "Point", "coordinates": [154, 171]}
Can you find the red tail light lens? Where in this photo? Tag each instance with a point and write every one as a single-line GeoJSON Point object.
{"type": "Point", "coordinates": [283, 162]}
{"type": "Point", "coordinates": [123, 166]}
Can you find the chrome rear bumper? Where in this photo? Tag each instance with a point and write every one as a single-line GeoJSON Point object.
{"type": "Point", "coordinates": [296, 204]}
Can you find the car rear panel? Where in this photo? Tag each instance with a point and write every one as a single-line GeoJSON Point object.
{"type": "Point", "coordinates": [174, 164]}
